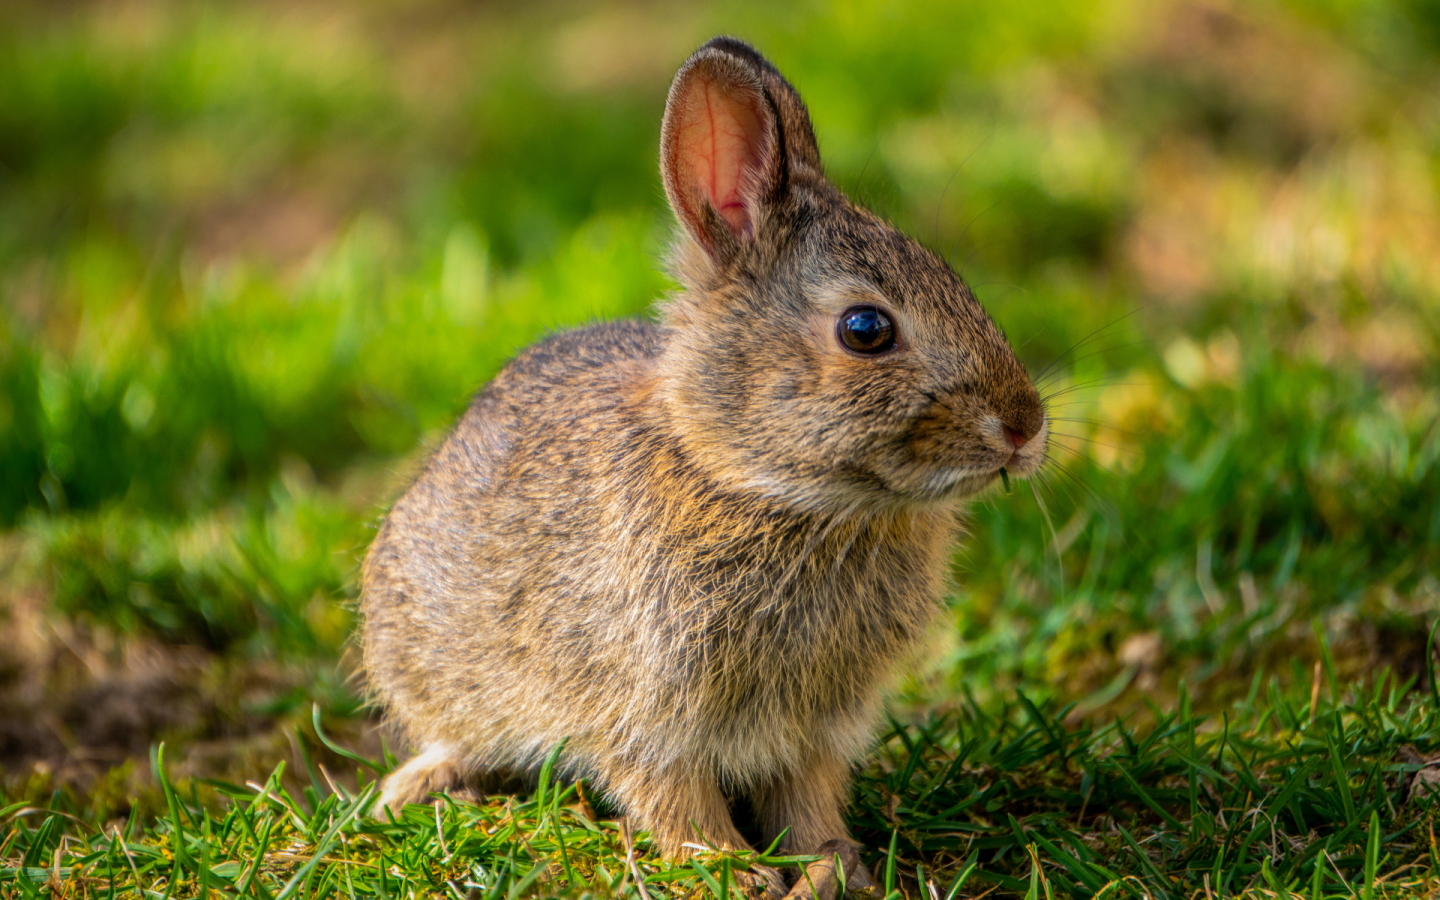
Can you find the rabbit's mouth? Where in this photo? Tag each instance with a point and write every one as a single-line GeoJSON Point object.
{"type": "Point", "coordinates": [961, 484]}
{"type": "Point", "coordinates": [1021, 455]}
{"type": "Point", "coordinates": [1027, 461]}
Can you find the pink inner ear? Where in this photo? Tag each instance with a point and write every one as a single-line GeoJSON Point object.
{"type": "Point", "coordinates": [719, 143]}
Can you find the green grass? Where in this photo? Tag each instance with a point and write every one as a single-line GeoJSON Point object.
{"type": "Point", "coordinates": [1275, 796]}
{"type": "Point", "coordinates": [253, 263]}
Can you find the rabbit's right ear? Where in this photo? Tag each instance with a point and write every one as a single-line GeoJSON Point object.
{"type": "Point", "coordinates": [734, 130]}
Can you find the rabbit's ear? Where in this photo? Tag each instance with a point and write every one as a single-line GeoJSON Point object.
{"type": "Point", "coordinates": [734, 130]}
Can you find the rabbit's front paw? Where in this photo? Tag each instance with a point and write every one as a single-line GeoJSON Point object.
{"type": "Point", "coordinates": [437, 769]}
{"type": "Point", "coordinates": [821, 881]}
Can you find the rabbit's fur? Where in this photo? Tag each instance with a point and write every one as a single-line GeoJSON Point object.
{"type": "Point", "coordinates": [699, 550]}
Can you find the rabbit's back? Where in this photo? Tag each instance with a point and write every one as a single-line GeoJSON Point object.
{"type": "Point", "coordinates": [475, 590]}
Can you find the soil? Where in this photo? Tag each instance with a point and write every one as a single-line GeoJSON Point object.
{"type": "Point", "coordinates": [81, 709]}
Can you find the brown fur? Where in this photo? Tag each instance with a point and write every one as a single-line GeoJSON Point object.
{"type": "Point", "coordinates": [701, 549]}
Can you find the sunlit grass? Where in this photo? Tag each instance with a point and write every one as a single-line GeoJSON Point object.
{"type": "Point", "coordinates": [1290, 792]}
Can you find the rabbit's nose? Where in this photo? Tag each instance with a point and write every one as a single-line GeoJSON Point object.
{"type": "Point", "coordinates": [1016, 439]}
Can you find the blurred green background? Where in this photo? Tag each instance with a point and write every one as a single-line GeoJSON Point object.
{"type": "Point", "coordinates": [255, 257]}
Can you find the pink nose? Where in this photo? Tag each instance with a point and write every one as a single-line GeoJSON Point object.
{"type": "Point", "coordinates": [1016, 439]}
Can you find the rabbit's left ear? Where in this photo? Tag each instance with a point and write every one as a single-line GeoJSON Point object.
{"type": "Point", "coordinates": [733, 130]}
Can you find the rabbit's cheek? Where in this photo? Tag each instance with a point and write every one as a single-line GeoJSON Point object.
{"type": "Point", "coordinates": [950, 446]}
{"type": "Point", "coordinates": [934, 461]}
{"type": "Point", "coordinates": [951, 433]}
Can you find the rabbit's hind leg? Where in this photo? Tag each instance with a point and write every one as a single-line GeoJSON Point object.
{"type": "Point", "coordinates": [438, 768]}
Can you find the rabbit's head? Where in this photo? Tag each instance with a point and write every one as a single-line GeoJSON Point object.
{"type": "Point", "coordinates": [818, 355]}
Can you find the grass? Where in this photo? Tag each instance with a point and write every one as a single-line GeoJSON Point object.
{"type": "Point", "coordinates": [254, 261]}
{"type": "Point", "coordinates": [1283, 795]}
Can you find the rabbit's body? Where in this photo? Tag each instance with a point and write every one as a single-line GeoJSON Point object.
{"type": "Point", "coordinates": [563, 570]}
{"type": "Point", "coordinates": [699, 550]}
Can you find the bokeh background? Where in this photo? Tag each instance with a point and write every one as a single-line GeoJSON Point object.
{"type": "Point", "coordinates": [255, 257]}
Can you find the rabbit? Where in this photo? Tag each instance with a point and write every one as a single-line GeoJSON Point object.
{"type": "Point", "coordinates": [701, 549]}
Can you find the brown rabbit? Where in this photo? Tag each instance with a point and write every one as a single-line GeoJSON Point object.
{"type": "Point", "coordinates": [701, 549]}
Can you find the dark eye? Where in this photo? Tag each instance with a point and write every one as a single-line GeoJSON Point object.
{"type": "Point", "coordinates": [866, 329]}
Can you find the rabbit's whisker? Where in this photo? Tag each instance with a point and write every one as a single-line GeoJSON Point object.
{"type": "Point", "coordinates": [1101, 382]}
{"type": "Point", "coordinates": [1094, 335]}
{"type": "Point", "coordinates": [1101, 352]}
{"type": "Point", "coordinates": [1076, 437]}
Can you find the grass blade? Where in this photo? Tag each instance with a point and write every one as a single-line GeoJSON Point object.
{"type": "Point", "coordinates": [336, 748]}
{"type": "Point", "coordinates": [1372, 858]}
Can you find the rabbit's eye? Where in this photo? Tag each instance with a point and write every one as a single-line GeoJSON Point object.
{"type": "Point", "coordinates": [866, 329]}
